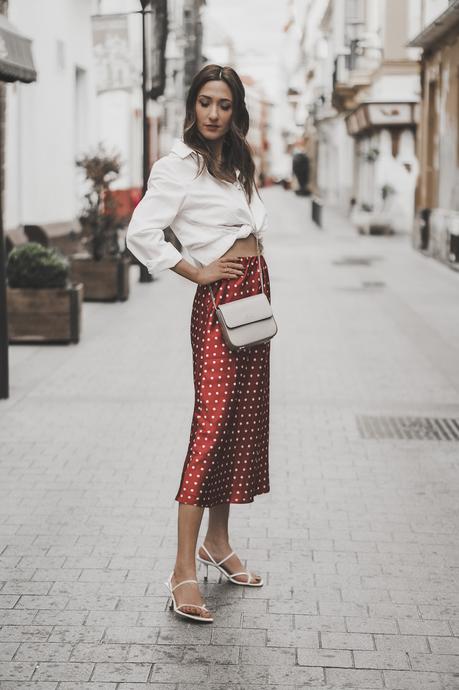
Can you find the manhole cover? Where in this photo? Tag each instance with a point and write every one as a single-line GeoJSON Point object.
{"type": "Point", "coordinates": [411, 428]}
{"type": "Point", "coordinates": [356, 260]}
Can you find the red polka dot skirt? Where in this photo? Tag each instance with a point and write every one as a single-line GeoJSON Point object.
{"type": "Point", "coordinates": [227, 457]}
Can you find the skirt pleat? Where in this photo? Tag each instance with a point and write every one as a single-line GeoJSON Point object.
{"type": "Point", "coordinates": [227, 458]}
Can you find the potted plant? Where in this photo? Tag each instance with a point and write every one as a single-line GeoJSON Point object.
{"type": "Point", "coordinates": [43, 306]}
{"type": "Point", "coordinates": [102, 267]}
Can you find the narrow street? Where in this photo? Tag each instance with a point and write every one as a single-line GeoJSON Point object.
{"type": "Point", "coordinates": [357, 540]}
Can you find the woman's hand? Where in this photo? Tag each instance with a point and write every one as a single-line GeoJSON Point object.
{"type": "Point", "coordinates": [220, 269]}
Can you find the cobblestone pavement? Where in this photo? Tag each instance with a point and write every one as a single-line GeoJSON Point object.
{"type": "Point", "coordinates": [357, 539]}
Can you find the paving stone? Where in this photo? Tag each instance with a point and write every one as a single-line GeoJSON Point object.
{"type": "Point", "coordinates": [409, 680]}
{"type": "Point", "coordinates": [26, 685]}
{"type": "Point", "coordinates": [325, 657]}
{"type": "Point", "coordinates": [8, 601]}
{"type": "Point", "coordinates": [76, 633]}
{"type": "Point", "coordinates": [443, 645]}
{"type": "Point", "coordinates": [23, 587]}
{"type": "Point", "coordinates": [43, 651]}
{"type": "Point", "coordinates": [296, 638]}
{"type": "Point", "coordinates": [386, 659]}
{"type": "Point", "coordinates": [132, 634]}
{"type": "Point", "coordinates": [7, 650]}
{"type": "Point", "coordinates": [205, 654]}
{"type": "Point", "coordinates": [320, 623]}
{"type": "Point", "coordinates": [418, 627]}
{"type": "Point", "coordinates": [60, 617]}
{"type": "Point", "coordinates": [371, 625]}
{"type": "Point", "coordinates": [29, 601]}
{"type": "Point", "coordinates": [272, 656]}
{"type": "Point", "coordinates": [16, 617]}
{"type": "Point", "coordinates": [443, 663]}
{"type": "Point", "coordinates": [174, 673]}
{"type": "Point", "coordinates": [346, 641]}
{"type": "Point", "coordinates": [159, 653]}
{"type": "Point", "coordinates": [70, 685]}
{"type": "Point", "coordinates": [186, 635]}
{"type": "Point", "coordinates": [148, 686]}
{"type": "Point", "coordinates": [406, 643]}
{"type": "Point", "coordinates": [244, 638]}
{"type": "Point", "coordinates": [124, 671]}
{"type": "Point", "coordinates": [353, 678]}
{"type": "Point", "coordinates": [63, 671]}
{"type": "Point", "coordinates": [99, 652]}
{"type": "Point", "coordinates": [19, 633]}
{"type": "Point", "coordinates": [299, 676]}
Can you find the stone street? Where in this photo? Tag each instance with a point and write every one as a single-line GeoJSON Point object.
{"type": "Point", "coordinates": [357, 539]}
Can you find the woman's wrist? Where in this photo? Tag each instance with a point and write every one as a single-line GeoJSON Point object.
{"type": "Point", "coordinates": [187, 270]}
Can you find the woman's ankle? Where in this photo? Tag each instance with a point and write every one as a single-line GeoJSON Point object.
{"type": "Point", "coordinates": [185, 571]}
{"type": "Point", "coordinates": [216, 543]}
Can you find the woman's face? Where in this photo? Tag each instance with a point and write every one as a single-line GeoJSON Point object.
{"type": "Point", "coordinates": [214, 108]}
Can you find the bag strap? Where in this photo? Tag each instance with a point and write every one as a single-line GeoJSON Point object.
{"type": "Point", "coordinates": [260, 272]}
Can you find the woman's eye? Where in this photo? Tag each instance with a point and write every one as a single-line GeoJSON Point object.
{"type": "Point", "coordinates": [226, 107]}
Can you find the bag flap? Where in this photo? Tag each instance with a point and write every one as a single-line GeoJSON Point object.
{"type": "Point", "coordinates": [246, 310]}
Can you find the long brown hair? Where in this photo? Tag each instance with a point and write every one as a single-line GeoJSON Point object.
{"type": "Point", "coordinates": [236, 152]}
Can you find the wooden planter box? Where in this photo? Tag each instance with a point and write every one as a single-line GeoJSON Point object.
{"type": "Point", "coordinates": [50, 315]}
{"type": "Point", "coordinates": [104, 281]}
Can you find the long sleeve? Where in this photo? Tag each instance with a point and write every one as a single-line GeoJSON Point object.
{"type": "Point", "coordinates": [261, 215]}
{"type": "Point", "coordinates": [155, 212]}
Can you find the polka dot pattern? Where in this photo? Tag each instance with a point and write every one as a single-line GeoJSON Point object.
{"type": "Point", "coordinates": [227, 457]}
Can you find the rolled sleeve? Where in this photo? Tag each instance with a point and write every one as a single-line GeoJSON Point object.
{"type": "Point", "coordinates": [156, 211]}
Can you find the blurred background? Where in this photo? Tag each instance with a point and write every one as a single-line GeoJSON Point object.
{"type": "Point", "coordinates": [358, 98]}
{"type": "Point", "coordinates": [353, 105]}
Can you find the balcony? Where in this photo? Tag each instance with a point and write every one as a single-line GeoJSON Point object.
{"type": "Point", "coordinates": [352, 72]}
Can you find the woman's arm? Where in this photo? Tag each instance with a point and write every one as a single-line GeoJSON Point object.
{"type": "Point", "coordinates": [161, 203]}
{"type": "Point", "coordinates": [167, 186]}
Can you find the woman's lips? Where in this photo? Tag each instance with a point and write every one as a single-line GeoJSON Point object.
{"type": "Point", "coordinates": [213, 126]}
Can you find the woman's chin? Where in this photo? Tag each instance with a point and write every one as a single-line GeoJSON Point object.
{"type": "Point", "coordinates": [211, 136]}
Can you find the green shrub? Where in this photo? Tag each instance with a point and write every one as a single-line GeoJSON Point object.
{"type": "Point", "coordinates": [35, 266]}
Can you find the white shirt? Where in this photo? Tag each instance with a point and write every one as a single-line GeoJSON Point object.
{"type": "Point", "coordinates": [207, 215]}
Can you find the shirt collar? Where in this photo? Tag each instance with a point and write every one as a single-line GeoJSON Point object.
{"type": "Point", "coordinates": [183, 150]}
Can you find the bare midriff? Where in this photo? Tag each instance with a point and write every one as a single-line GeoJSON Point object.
{"type": "Point", "coordinates": [245, 246]}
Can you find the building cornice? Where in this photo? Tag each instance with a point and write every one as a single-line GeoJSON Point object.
{"type": "Point", "coordinates": [434, 32]}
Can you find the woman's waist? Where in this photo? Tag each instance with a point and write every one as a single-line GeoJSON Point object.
{"type": "Point", "coordinates": [243, 246]}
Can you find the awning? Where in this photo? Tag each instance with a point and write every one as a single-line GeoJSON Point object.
{"type": "Point", "coordinates": [16, 62]}
{"type": "Point", "coordinates": [434, 32]}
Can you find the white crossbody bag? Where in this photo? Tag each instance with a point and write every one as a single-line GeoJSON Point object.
{"type": "Point", "coordinates": [248, 321]}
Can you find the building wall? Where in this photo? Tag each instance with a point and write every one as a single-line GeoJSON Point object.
{"type": "Point", "coordinates": [438, 143]}
{"type": "Point", "coordinates": [50, 122]}
{"type": "Point", "coordinates": [440, 181]}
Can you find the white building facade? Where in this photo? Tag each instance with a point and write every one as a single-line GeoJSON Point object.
{"type": "Point", "coordinates": [51, 122]}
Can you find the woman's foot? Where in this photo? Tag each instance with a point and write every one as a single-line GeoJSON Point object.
{"type": "Point", "coordinates": [189, 594]}
{"type": "Point", "coordinates": [232, 565]}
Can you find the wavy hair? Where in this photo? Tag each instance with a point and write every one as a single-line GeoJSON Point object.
{"type": "Point", "coordinates": [236, 152]}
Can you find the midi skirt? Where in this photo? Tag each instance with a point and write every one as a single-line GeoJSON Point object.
{"type": "Point", "coordinates": [227, 457]}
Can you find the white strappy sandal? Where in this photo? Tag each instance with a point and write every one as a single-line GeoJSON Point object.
{"type": "Point", "coordinates": [176, 609]}
{"type": "Point", "coordinates": [224, 572]}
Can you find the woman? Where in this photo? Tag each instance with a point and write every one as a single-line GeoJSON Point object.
{"type": "Point", "coordinates": [205, 191]}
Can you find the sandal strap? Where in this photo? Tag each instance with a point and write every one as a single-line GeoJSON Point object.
{"type": "Point", "coordinates": [213, 559]}
{"type": "Point", "coordinates": [209, 554]}
{"type": "Point", "coordinates": [195, 606]}
{"type": "Point", "coordinates": [226, 558]}
{"type": "Point", "coordinates": [184, 582]}
{"type": "Point", "coordinates": [243, 573]}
